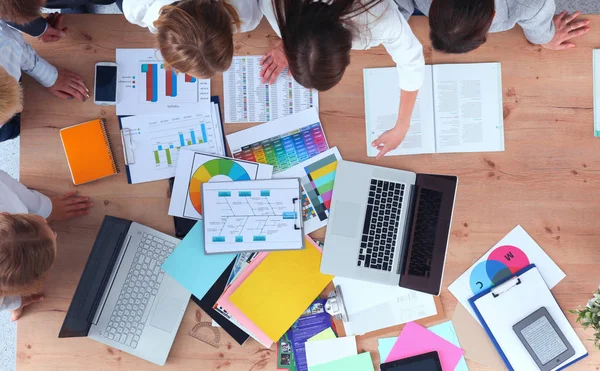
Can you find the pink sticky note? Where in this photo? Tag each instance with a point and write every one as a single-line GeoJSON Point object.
{"type": "Point", "coordinates": [234, 311]}
{"type": "Point", "coordinates": [415, 340]}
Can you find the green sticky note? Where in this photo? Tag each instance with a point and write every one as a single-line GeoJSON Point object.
{"type": "Point", "coordinates": [323, 335]}
{"type": "Point", "coordinates": [359, 362]}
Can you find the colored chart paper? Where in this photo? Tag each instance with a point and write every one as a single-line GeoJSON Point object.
{"type": "Point", "coordinates": [514, 252]}
{"type": "Point", "coordinates": [254, 215]}
{"type": "Point", "coordinates": [282, 143]}
{"type": "Point", "coordinates": [317, 176]}
{"type": "Point", "coordinates": [147, 87]}
{"type": "Point", "coordinates": [153, 143]}
{"type": "Point", "coordinates": [196, 168]}
{"type": "Point", "coordinates": [249, 100]}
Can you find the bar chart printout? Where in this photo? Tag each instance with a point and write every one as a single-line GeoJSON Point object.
{"type": "Point", "coordinates": [173, 82]}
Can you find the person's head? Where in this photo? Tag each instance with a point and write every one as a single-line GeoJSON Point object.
{"type": "Point", "coordinates": [459, 26]}
{"type": "Point", "coordinates": [196, 36]}
{"type": "Point", "coordinates": [27, 251]}
{"type": "Point", "coordinates": [317, 38]}
{"type": "Point", "coordinates": [21, 11]}
{"type": "Point", "coordinates": [11, 98]}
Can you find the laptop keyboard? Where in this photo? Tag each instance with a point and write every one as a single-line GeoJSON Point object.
{"type": "Point", "coordinates": [380, 230]}
{"type": "Point", "coordinates": [423, 243]}
{"type": "Point", "coordinates": [139, 291]}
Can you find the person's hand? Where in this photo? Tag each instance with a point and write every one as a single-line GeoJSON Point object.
{"type": "Point", "coordinates": [25, 301]}
{"type": "Point", "coordinates": [273, 63]}
{"type": "Point", "coordinates": [567, 29]}
{"type": "Point", "coordinates": [69, 205]}
{"type": "Point", "coordinates": [69, 85]}
{"type": "Point", "coordinates": [390, 140]}
{"type": "Point", "coordinates": [55, 30]}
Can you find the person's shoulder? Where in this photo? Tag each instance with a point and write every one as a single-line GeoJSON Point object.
{"type": "Point", "coordinates": [528, 8]}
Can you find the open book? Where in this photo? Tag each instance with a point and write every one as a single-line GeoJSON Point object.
{"type": "Point", "coordinates": [458, 109]}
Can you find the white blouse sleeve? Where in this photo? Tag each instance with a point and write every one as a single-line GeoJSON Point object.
{"type": "Point", "coordinates": [249, 13]}
{"type": "Point", "coordinates": [144, 12]}
{"type": "Point", "coordinates": [35, 202]}
{"type": "Point", "coordinates": [9, 302]}
{"type": "Point", "coordinates": [405, 49]}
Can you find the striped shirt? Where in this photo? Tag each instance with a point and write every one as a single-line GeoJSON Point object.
{"type": "Point", "coordinates": [534, 16]}
{"type": "Point", "coordinates": [16, 56]}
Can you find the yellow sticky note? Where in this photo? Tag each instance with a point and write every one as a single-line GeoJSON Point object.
{"type": "Point", "coordinates": [281, 288]}
{"type": "Point", "coordinates": [323, 335]}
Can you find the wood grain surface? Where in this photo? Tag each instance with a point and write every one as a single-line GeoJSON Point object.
{"type": "Point", "coordinates": [545, 180]}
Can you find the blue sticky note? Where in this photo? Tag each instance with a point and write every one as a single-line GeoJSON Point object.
{"type": "Point", "coordinates": [444, 330]}
{"type": "Point", "coordinates": [191, 267]}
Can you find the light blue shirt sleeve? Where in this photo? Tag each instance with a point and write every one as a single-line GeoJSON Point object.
{"type": "Point", "coordinates": [36, 67]}
{"type": "Point", "coordinates": [10, 303]}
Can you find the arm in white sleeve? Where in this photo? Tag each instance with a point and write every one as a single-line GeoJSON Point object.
{"type": "Point", "coordinates": [10, 303]}
{"type": "Point", "coordinates": [403, 46]}
{"type": "Point", "coordinates": [36, 67]}
{"type": "Point", "coordinates": [35, 202]}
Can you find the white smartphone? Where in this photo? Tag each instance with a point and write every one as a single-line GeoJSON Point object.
{"type": "Point", "coordinates": [105, 84]}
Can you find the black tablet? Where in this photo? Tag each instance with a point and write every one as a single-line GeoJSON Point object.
{"type": "Point", "coordinates": [423, 362]}
{"type": "Point", "coordinates": [544, 340]}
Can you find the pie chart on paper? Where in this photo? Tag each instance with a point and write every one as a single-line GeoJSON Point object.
{"type": "Point", "coordinates": [217, 169]}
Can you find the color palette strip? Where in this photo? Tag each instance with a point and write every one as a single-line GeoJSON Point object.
{"type": "Point", "coordinates": [318, 184]}
{"type": "Point", "coordinates": [286, 150]}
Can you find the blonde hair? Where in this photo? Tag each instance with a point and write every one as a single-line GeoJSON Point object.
{"type": "Point", "coordinates": [25, 254]}
{"type": "Point", "coordinates": [10, 96]}
{"type": "Point", "coordinates": [21, 11]}
{"type": "Point", "coordinates": [196, 36]}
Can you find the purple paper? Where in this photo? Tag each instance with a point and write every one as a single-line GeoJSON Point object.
{"type": "Point", "coordinates": [311, 322]}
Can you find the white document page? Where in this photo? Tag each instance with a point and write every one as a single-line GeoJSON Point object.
{"type": "Point", "coordinates": [468, 107]}
{"type": "Point", "coordinates": [324, 351]}
{"type": "Point", "coordinates": [372, 306]}
{"type": "Point", "coordinates": [252, 215]}
{"type": "Point", "coordinates": [249, 100]}
{"type": "Point", "coordinates": [382, 100]}
{"type": "Point", "coordinates": [502, 312]}
{"type": "Point", "coordinates": [145, 86]}
{"type": "Point", "coordinates": [153, 142]}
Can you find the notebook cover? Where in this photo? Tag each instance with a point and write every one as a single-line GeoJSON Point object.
{"type": "Point", "coordinates": [88, 151]}
{"type": "Point", "coordinates": [210, 298]}
{"type": "Point", "coordinates": [281, 288]}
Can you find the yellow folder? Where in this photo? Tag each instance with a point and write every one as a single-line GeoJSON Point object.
{"type": "Point", "coordinates": [281, 288]}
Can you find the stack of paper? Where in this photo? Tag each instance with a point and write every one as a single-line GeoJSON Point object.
{"type": "Point", "coordinates": [359, 362]}
{"type": "Point", "coordinates": [324, 351]}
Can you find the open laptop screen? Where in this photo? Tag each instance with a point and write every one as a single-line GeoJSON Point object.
{"type": "Point", "coordinates": [94, 277]}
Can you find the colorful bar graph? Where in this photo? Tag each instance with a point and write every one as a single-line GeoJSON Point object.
{"type": "Point", "coordinates": [174, 83]}
{"type": "Point", "coordinates": [189, 78]}
{"type": "Point", "coordinates": [204, 138]}
{"type": "Point", "coordinates": [193, 135]}
{"type": "Point", "coordinates": [151, 71]}
{"type": "Point", "coordinates": [156, 158]}
{"type": "Point", "coordinates": [168, 153]}
{"type": "Point", "coordinates": [160, 148]}
{"type": "Point", "coordinates": [286, 150]}
{"type": "Point", "coordinates": [181, 140]}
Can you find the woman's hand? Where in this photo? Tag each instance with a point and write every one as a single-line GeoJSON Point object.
{"type": "Point", "coordinates": [391, 139]}
{"type": "Point", "coordinates": [25, 301]}
{"type": "Point", "coordinates": [273, 63]}
{"type": "Point", "coordinates": [566, 29]}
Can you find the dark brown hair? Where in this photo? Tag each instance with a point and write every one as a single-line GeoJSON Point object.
{"type": "Point", "coordinates": [196, 36]}
{"type": "Point", "coordinates": [20, 11]}
{"type": "Point", "coordinates": [317, 38]}
{"type": "Point", "coordinates": [459, 26]}
{"type": "Point", "coordinates": [26, 254]}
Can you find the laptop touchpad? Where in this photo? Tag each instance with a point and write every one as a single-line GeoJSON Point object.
{"type": "Point", "coordinates": [166, 314]}
{"type": "Point", "coordinates": [347, 217]}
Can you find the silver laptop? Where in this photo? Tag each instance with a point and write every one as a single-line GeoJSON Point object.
{"type": "Point", "coordinates": [123, 298]}
{"type": "Point", "coordinates": [389, 226]}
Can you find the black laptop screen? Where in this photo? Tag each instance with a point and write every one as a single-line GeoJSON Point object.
{"type": "Point", "coordinates": [94, 277]}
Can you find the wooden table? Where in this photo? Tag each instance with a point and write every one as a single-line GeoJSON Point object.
{"type": "Point", "coordinates": [545, 180]}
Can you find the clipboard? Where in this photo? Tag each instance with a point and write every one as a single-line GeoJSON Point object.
{"type": "Point", "coordinates": [499, 308]}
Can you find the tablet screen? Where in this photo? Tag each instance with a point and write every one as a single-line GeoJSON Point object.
{"type": "Point", "coordinates": [422, 362]}
{"type": "Point", "coordinates": [543, 340]}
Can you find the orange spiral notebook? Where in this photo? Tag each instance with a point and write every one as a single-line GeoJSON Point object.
{"type": "Point", "coordinates": [89, 151]}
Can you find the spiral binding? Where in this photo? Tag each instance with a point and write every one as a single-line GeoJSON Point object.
{"type": "Point", "coordinates": [111, 152]}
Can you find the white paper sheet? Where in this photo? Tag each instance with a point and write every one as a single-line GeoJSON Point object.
{"type": "Point", "coordinates": [316, 176]}
{"type": "Point", "coordinates": [248, 100]}
{"type": "Point", "coordinates": [154, 142]}
{"type": "Point", "coordinates": [382, 99]}
{"type": "Point", "coordinates": [373, 306]}
{"type": "Point", "coordinates": [468, 107]}
{"type": "Point", "coordinates": [253, 215]}
{"type": "Point", "coordinates": [282, 143]}
{"type": "Point", "coordinates": [195, 168]}
{"type": "Point", "coordinates": [514, 252]}
{"type": "Point", "coordinates": [146, 87]}
{"type": "Point", "coordinates": [323, 351]}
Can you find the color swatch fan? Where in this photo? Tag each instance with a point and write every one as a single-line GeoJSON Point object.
{"type": "Point", "coordinates": [196, 168]}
